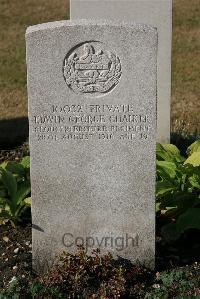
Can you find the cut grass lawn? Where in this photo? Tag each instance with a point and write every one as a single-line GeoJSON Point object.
{"type": "Point", "coordinates": [186, 65]}
{"type": "Point", "coordinates": [16, 15]}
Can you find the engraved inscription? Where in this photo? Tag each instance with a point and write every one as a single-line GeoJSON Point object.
{"type": "Point", "coordinates": [86, 122]}
{"type": "Point", "coordinates": [91, 69]}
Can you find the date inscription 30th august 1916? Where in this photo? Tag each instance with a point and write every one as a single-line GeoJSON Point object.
{"type": "Point", "coordinates": [86, 122]}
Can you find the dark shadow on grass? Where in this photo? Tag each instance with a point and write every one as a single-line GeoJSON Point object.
{"type": "Point", "coordinates": [13, 132]}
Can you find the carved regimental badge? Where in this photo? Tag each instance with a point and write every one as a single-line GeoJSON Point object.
{"type": "Point", "coordinates": [91, 69]}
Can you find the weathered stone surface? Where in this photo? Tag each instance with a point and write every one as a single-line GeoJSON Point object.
{"type": "Point", "coordinates": [157, 13]}
{"type": "Point", "coordinates": [92, 115]}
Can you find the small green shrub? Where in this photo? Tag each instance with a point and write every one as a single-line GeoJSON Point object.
{"type": "Point", "coordinates": [86, 276]}
{"type": "Point", "coordinates": [38, 291]}
{"type": "Point", "coordinates": [97, 276]}
{"type": "Point", "coordinates": [17, 288]}
{"type": "Point", "coordinates": [15, 190]}
{"type": "Point", "coordinates": [174, 284]}
{"type": "Point", "coordinates": [178, 189]}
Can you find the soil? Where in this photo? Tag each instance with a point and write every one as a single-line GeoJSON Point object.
{"type": "Point", "coordinates": [14, 154]}
{"type": "Point", "coordinates": [184, 251]}
{"type": "Point", "coordinates": [15, 252]}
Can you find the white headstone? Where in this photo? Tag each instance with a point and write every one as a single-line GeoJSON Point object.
{"type": "Point", "coordinates": [157, 13]}
{"type": "Point", "coordinates": [92, 115]}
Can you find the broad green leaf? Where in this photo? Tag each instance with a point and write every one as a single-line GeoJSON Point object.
{"type": "Point", "coordinates": [7, 208]}
{"type": "Point", "coordinates": [171, 148]}
{"type": "Point", "coordinates": [21, 210]}
{"type": "Point", "coordinates": [168, 152]}
{"type": "Point", "coordinates": [3, 165]}
{"type": "Point", "coordinates": [167, 202]}
{"type": "Point", "coordinates": [194, 159]}
{"type": "Point", "coordinates": [28, 201]}
{"type": "Point", "coordinates": [22, 192]}
{"type": "Point", "coordinates": [189, 170]}
{"type": "Point", "coordinates": [171, 212]}
{"type": "Point", "coordinates": [194, 147]}
{"type": "Point", "coordinates": [180, 200]}
{"type": "Point", "coordinates": [16, 168]}
{"type": "Point", "coordinates": [5, 215]}
{"type": "Point", "coordinates": [184, 201]}
{"type": "Point", "coordinates": [174, 152]}
{"type": "Point", "coordinates": [162, 154]}
{"type": "Point", "coordinates": [9, 182]}
{"type": "Point", "coordinates": [2, 202]}
{"type": "Point", "coordinates": [25, 162]}
{"type": "Point", "coordinates": [163, 187]}
{"type": "Point", "coordinates": [3, 192]}
{"type": "Point", "coordinates": [190, 219]}
{"type": "Point", "coordinates": [157, 206]}
{"type": "Point", "coordinates": [195, 181]}
{"type": "Point", "coordinates": [166, 169]}
{"type": "Point", "coordinates": [170, 232]}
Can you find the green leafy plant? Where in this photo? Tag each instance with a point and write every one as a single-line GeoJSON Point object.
{"type": "Point", "coordinates": [178, 189]}
{"type": "Point", "coordinates": [174, 284]}
{"type": "Point", "coordinates": [80, 275]}
{"type": "Point", "coordinates": [100, 276]}
{"type": "Point", "coordinates": [86, 276]}
{"type": "Point", "coordinates": [14, 190]}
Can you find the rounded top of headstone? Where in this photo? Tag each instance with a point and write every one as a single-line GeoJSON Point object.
{"type": "Point", "coordinates": [97, 22]}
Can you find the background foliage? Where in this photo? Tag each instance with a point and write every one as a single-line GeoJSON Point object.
{"type": "Point", "coordinates": [178, 189]}
{"type": "Point", "coordinates": [15, 190]}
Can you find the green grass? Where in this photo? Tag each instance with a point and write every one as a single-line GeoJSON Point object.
{"type": "Point", "coordinates": [16, 15]}
{"type": "Point", "coordinates": [186, 65]}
